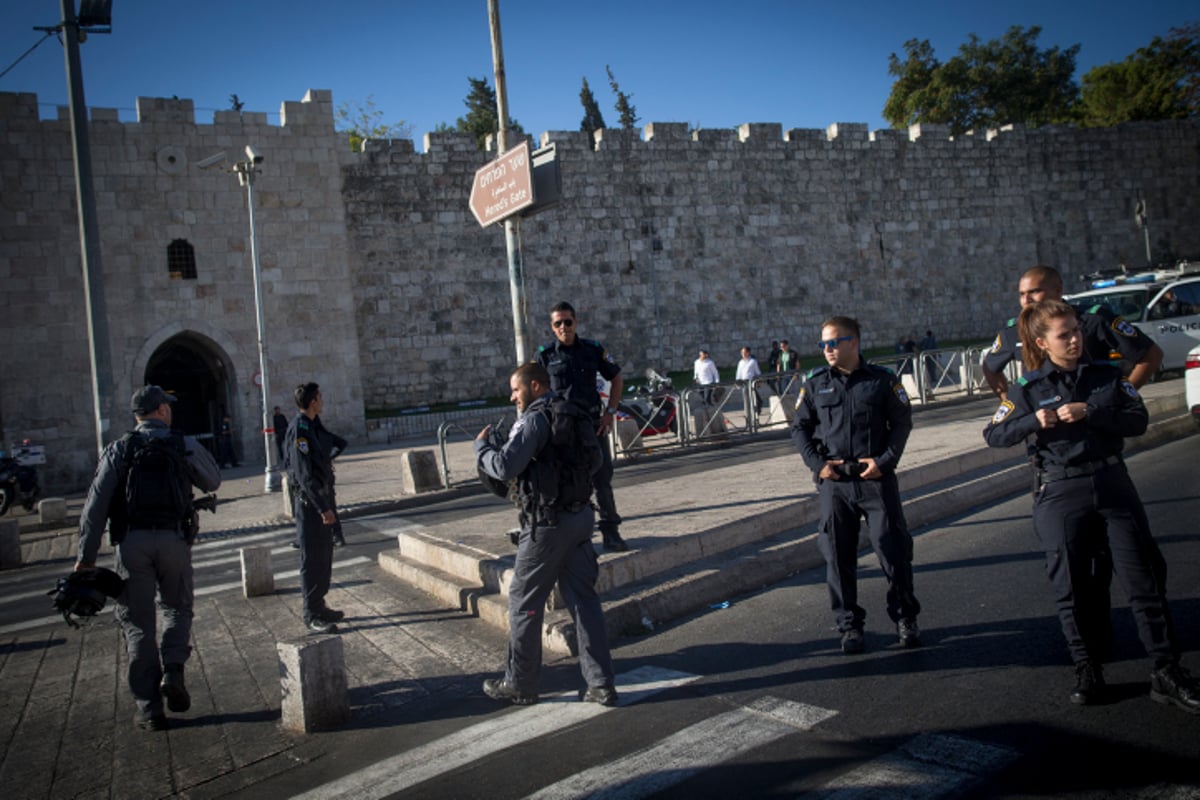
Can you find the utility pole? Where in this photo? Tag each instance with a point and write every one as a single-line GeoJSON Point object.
{"type": "Point", "coordinates": [89, 229]}
{"type": "Point", "coordinates": [516, 278]}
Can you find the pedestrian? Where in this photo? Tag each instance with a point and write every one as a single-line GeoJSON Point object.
{"type": "Point", "coordinates": [773, 365]}
{"type": "Point", "coordinates": [153, 547]}
{"type": "Point", "coordinates": [747, 371]}
{"type": "Point", "coordinates": [704, 373]}
{"type": "Point", "coordinates": [788, 359]}
{"type": "Point", "coordinates": [554, 546]}
{"type": "Point", "coordinates": [310, 470]}
{"type": "Point", "coordinates": [573, 363]}
{"type": "Point", "coordinates": [1086, 509]}
{"type": "Point", "coordinates": [1104, 334]}
{"type": "Point", "coordinates": [932, 365]}
{"type": "Point", "coordinates": [280, 423]}
{"type": "Point", "coordinates": [851, 425]}
{"type": "Point", "coordinates": [225, 455]}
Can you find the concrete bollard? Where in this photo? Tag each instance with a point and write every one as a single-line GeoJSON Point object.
{"type": "Point", "coordinates": [10, 544]}
{"type": "Point", "coordinates": [419, 472]}
{"type": "Point", "coordinates": [257, 577]}
{"type": "Point", "coordinates": [52, 509]}
{"type": "Point", "coordinates": [312, 675]}
{"type": "Point", "coordinates": [630, 434]}
{"type": "Point", "coordinates": [778, 412]}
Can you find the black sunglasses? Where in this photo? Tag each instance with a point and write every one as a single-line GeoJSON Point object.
{"type": "Point", "coordinates": [563, 323]}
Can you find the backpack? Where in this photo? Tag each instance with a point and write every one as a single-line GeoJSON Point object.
{"type": "Point", "coordinates": [158, 484]}
{"type": "Point", "coordinates": [561, 474]}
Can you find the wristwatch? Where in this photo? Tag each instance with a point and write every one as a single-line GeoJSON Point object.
{"type": "Point", "coordinates": [611, 410]}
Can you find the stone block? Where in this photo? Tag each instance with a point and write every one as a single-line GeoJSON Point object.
{"type": "Point", "coordinates": [52, 509]}
{"type": "Point", "coordinates": [778, 414]}
{"type": "Point", "coordinates": [312, 676]}
{"type": "Point", "coordinates": [257, 577]}
{"type": "Point", "coordinates": [10, 544]}
{"type": "Point", "coordinates": [629, 433]}
{"type": "Point", "coordinates": [707, 422]}
{"type": "Point", "coordinates": [419, 472]}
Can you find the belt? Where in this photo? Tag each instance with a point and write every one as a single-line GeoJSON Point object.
{"type": "Point", "coordinates": [1079, 470]}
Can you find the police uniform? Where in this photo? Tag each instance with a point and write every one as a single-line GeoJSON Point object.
{"type": "Point", "coordinates": [1084, 490]}
{"type": "Point", "coordinates": [573, 373]}
{"type": "Point", "coordinates": [1107, 338]}
{"type": "Point", "coordinates": [310, 467]}
{"type": "Point", "coordinates": [863, 414]}
{"type": "Point", "coordinates": [152, 561]}
{"type": "Point", "coordinates": [549, 550]}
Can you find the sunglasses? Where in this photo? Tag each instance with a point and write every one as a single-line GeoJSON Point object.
{"type": "Point", "coordinates": [563, 323]}
{"type": "Point", "coordinates": [833, 343]}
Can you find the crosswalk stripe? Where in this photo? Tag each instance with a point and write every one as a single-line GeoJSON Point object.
{"type": "Point", "coordinates": [689, 751]}
{"type": "Point", "coordinates": [930, 765]}
{"type": "Point", "coordinates": [407, 769]}
{"type": "Point", "coordinates": [16, 627]}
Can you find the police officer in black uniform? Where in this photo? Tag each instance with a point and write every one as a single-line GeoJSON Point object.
{"type": "Point", "coordinates": [1079, 414]}
{"type": "Point", "coordinates": [851, 425]}
{"type": "Point", "coordinates": [554, 546]}
{"type": "Point", "coordinates": [310, 470]}
{"type": "Point", "coordinates": [153, 561]}
{"type": "Point", "coordinates": [1106, 337]}
{"type": "Point", "coordinates": [573, 363]}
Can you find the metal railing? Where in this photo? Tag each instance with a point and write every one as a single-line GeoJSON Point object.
{"type": "Point", "coordinates": [469, 428]}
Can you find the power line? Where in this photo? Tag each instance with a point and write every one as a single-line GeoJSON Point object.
{"type": "Point", "coordinates": [27, 52]}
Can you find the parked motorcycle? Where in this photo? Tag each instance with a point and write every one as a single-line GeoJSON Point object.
{"type": "Point", "coordinates": [18, 482]}
{"type": "Point", "coordinates": [653, 406]}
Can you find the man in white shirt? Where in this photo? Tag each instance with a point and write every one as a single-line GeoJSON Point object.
{"type": "Point", "coordinates": [704, 373]}
{"type": "Point", "coordinates": [747, 370]}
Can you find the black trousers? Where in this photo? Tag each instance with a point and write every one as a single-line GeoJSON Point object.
{"type": "Point", "coordinates": [316, 558]}
{"type": "Point", "coordinates": [602, 484]}
{"type": "Point", "coordinates": [1082, 524]}
{"type": "Point", "coordinates": [843, 504]}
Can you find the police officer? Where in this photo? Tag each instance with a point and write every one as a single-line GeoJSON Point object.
{"type": "Point", "coordinates": [1079, 414]}
{"type": "Point", "coordinates": [1106, 337]}
{"type": "Point", "coordinates": [851, 425]}
{"type": "Point", "coordinates": [310, 470]}
{"type": "Point", "coordinates": [573, 363]}
{"type": "Point", "coordinates": [152, 560]}
{"type": "Point", "coordinates": [554, 546]}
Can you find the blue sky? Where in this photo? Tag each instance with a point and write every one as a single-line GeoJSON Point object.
{"type": "Point", "coordinates": [709, 64]}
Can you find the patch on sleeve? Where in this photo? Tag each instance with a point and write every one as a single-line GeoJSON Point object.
{"type": "Point", "coordinates": [996, 345]}
{"type": "Point", "coordinates": [800, 397]}
{"type": "Point", "coordinates": [1124, 328]}
{"type": "Point", "coordinates": [1002, 412]}
{"type": "Point", "coordinates": [900, 393]}
{"type": "Point", "coordinates": [302, 445]}
{"type": "Point", "coordinates": [1129, 389]}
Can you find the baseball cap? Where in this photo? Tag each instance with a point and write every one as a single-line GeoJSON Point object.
{"type": "Point", "coordinates": [148, 398]}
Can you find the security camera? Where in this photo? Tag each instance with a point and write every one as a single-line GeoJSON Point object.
{"type": "Point", "coordinates": [253, 155]}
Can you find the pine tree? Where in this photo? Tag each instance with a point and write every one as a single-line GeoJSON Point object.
{"type": "Point", "coordinates": [481, 120]}
{"type": "Point", "coordinates": [626, 110]}
{"type": "Point", "coordinates": [593, 120]}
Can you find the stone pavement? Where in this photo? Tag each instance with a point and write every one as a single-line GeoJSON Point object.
{"type": "Point", "coordinates": [66, 716]}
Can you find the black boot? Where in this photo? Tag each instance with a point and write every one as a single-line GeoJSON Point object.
{"type": "Point", "coordinates": [1089, 683]}
{"type": "Point", "coordinates": [173, 688]}
{"type": "Point", "coordinates": [1174, 685]}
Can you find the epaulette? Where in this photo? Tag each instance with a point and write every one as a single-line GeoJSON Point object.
{"type": "Point", "coordinates": [541, 348]}
{"type": "Point", "coordinates": [816, 371]}
{"type": "Point", "coordinates": [591, 341]}
{"type": "Point", "coordinates": [1012, 323]}
{"type": "Point", "coordinates": [302, 423]}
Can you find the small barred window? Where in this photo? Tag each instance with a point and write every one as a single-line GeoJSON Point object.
{"type": "Point", "coordinates": [181, 260]}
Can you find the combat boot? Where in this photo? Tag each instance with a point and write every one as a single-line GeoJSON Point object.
{"type": "Point", "coordinates": [1174, 685]}
{"type": "Point", "coordinates": [174, 689]}
{"type": "Point", "coordinates": [1089, 683]}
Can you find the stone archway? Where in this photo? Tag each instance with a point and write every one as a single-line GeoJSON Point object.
{"type": "Point", "coordinates": [192, 368]}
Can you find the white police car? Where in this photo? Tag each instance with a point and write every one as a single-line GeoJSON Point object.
{"type": "Point", "coordinates": [1164, 304]}
{"type": "Point", "coordinates": [1191, 378]}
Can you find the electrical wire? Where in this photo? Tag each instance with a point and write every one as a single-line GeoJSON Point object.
{"type": "Point", "coordinates": [27, 52]}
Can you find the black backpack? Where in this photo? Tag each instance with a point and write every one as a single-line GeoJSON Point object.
{"type": "Point", "coordinates": [158, 484]}
{"type": "Point", "coordinates": [562, 472]}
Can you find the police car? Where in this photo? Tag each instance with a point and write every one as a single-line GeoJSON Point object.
{"type": "Point", "coordinates": [1163, 303]}
{"type": "Point", "coordinates": [1192, 384]}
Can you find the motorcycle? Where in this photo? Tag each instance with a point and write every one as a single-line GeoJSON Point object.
{"type": "Point", "coordinates": [18, 481]}
{"type": "Point", "coordinates": [653, 406]}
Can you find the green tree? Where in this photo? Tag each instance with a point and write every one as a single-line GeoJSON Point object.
{"type": "Point", "coordinates": [482, 119]}
{"type": "Point", "coordinates": [360, 121]}
{"type": "Point", "coordinates": [1159, 81]}
{"type": "Point", "coordinates": [627, 112]}
{"type": "Point", "coordinates": [988, 84]}
{"type": "Point", "coordinates": [593, 120]}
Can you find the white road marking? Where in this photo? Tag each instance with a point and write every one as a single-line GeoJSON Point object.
{"type": "Point", "coordinates": [689, 751]}
{"type": "Point", "coordinates": [407, 769]}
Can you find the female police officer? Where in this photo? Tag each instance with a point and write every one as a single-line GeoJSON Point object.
{"type": "Point", "coordinates": [1078, 414]}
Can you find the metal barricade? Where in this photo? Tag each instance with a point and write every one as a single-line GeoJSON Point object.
{"type": "Point", "coordinates": [943, 372]}
{"type": "Point", "coordinates": [785, 386]}
{"type": "Point", "coordinates": [715, 410]}
{"type": "Point", "coordinates": [631, 436]}
{"type": "Point", "coordinates": [469, 427]}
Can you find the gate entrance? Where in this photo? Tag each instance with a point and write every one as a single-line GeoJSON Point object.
{"type": "Point", "coordinates": [191, 369]}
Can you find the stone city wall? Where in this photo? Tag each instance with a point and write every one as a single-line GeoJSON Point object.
{"type": "Point", "coordinates": [379, 284]}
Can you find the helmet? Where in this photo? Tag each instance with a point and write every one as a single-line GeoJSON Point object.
{"type": "Point", "coordinates": [84, 592]}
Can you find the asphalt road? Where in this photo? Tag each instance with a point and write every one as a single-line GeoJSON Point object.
{"type": "Point", "coordinates": [755, 699]}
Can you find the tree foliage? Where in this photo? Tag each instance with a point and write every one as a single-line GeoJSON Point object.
{"type": "Point", "coordinates": [360, 121]}
{"type": "Point", "coordinates": [627, 112]}
{"type": "Point", "coordinates": [593, 120]}
{"type": "Point", "coordinates": [986, 85]}
{"type": "Point", "coordinates": [482, 119]}
{"type": "Point", "coordinates": [1156, 82]}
